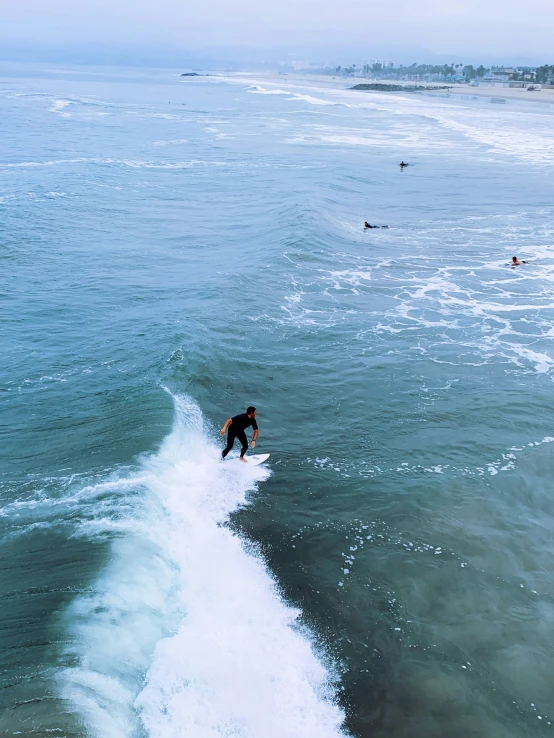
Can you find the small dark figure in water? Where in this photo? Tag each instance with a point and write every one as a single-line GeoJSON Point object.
{"type": "Point", "coordinates": [403, 164]}
{"type": "Point", "coordinates": [517, 262]}
{"type": "Point", "coordinates": [368, 225]}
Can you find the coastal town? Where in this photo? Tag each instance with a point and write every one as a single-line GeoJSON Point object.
{"type": "Point", "coordinates": [452, 74]}
{"type": "Point", "coordinates": [515, 77]}
{"type": "Point", "coordinates": [499, 84]}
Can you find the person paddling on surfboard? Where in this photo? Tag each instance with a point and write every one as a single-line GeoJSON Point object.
{"type": "Point", "coordinates": [237, 425]}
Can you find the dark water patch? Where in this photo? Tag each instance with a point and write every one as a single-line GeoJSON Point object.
{"type": "Point", "coordinates": [31, 639]}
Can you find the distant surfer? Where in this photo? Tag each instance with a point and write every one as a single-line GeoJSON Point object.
{"type": "Point", "coordinates": [368, 225]}
{"type": "Point", "coordinates": [403, 164]}
{"type": "Point", "coordinates": [236, 426]}
{"type": "Point", "coordinates": [516, 262]}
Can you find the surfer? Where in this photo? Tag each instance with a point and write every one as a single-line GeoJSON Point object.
{"type": "Point", "coordinates": [403, 164]}
{"type": "Point", "coordinates": [237, 425]}
{"type": "Point", "coordinates": [516, 261]}
{"type": "Point", "coordinates": [367, 225]}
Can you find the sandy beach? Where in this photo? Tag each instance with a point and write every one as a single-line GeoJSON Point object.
{"type": "Point", "coordinates": [507, 93]}
{"type": "Point", "coordinates": [514, 94]}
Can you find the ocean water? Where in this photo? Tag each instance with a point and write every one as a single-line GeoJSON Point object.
{"type": "Point", "coordinates": [176, 249]}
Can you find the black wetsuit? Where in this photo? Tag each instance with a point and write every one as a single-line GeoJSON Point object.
{"type": "Point", "coordinates": [236, 430]}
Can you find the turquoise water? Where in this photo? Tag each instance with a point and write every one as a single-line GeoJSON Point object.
{"type": "Point", "coordinates": [174, 250]}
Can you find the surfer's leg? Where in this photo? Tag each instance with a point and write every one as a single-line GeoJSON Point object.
{"type": "Point", "coordinates": [230, 443]}
{"type": "Point", "coordinates": [241, 435]}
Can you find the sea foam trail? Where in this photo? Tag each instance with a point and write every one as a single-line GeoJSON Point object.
{"type": "Point", "coordinates": [185, 633]}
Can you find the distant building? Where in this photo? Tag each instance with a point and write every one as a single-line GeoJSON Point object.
{"type": "Point", "coordinates": [299, 66]}
{"type": "Point", "coordinates": [527, 73]}
{"type": "Point", "coordinates": [500, 74]}
{"type": "Point", "coordinates": [385, 64]}
{"type": "Point", "coordinates": [511, 74]}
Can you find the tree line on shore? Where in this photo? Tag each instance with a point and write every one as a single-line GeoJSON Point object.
{"type": "Point", "coordinates": [545, 73]}
{"type": "Point", "coordinates": [420, 70]}
{"type": "Point", "coordinates": [542, 74]}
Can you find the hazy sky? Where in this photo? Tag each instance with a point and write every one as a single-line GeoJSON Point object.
{"type": "Point", "coordinates": [445, 27]}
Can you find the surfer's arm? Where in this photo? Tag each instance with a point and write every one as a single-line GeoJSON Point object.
{"type": "Point", "coordinates": [254, 437]}
{"type": "Point", "coordinates": [223, 431]}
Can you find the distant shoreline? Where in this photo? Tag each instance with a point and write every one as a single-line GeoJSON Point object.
{"type": "Point", "coordinates": [388, 87]}
{"type": "Point", "coordinates": [455, 91]}
{"type": "Point", "coordinates": [509, 94]}
{"type": "Point", "coordinates": [499, 94]}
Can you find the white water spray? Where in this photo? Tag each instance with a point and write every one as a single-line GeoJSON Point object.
{"type": "Point", "coordinates": [186, 633]}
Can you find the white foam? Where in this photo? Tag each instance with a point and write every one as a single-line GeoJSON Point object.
{"type": "Point", "coordinates": [185, 633]}
{"type": "Point", "coordinates": [257, 90]}
{"type": "Point", "coordinates": [173, 141]}
{"type": "Point", "coordinates": [314, 100]}
{"type": "Point", "coordinates": [49, 163]}
{"type": "Point", "coordinates": [58, 106]}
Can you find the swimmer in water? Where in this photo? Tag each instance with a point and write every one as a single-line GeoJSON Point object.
{"type": "Point", "coordinates": [368, 225]}
{"type": "Point", "coordinates": [517, 262]}
{"type": "Point", "coordinates": [403, 164]}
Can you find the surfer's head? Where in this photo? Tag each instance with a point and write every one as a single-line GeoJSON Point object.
{"type": "Point", "coordinates": [251, 411]}
{"type": "Point", "coordinates": [514, 259]}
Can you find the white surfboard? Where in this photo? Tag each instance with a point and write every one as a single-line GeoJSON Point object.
{"type": "Point", "coordinates": [252, 460]}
